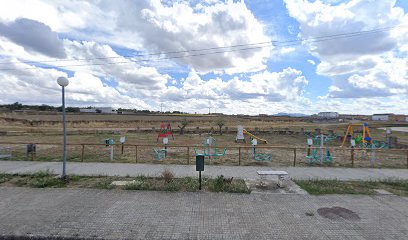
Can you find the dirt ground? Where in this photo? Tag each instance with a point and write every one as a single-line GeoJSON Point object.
{"type": "Point", "coordinates": [282, 136]}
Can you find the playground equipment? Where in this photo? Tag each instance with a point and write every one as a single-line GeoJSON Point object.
{"type": "Point", "coordinates": [210, 149]}
{"type": "Point", "coordinates": [240, 135]}
{"type": "Point", "coordinates": [111, 143]}
{"type": "Point", "coordinates": [165, 131]}
{"type": "Point", "coordinates": [321, 157]}
{"type": "Point", "coordinates": [366, 138]}
{"type": "Point", "coordinates": [259, 156]}
{"type": "Point", "coordinates": [161, 154]}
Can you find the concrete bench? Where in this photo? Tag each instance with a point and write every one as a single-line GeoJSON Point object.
{"type": "Point", "coordinates": [281, 176]}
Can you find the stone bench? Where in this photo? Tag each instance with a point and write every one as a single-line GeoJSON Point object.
{"type": "Point", "coordinates": [281, 176]}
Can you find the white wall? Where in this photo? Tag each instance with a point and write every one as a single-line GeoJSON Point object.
{"type": "Point", "coordinates": [380, 118]}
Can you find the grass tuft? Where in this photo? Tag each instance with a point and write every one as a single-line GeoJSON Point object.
{"type": "Point", "coordinates": [168, 176]}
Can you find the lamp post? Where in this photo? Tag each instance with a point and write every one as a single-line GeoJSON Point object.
{"type": "Point", "coordinates": [63, 82]}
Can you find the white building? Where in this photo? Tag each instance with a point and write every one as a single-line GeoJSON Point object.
{"type": "Point", "coordinates": [87, 110]}
{"type": "Point", "coordinates": [328, 115]}
{"type": "Point", "coordinates": [106, 110]}
{"type": "Point", "coordinates": [98, 110]}
{"type": "Point", "coordinates": [381, 117]}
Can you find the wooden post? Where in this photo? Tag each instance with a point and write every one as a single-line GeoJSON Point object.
{"type": "Point", "coordinates": [239, 156]}
{"type": "Point", "coordinates": [407, 158]}
{"type": "Point", "coordinates": [82, 152]}
{"type": "Point", "coordinates": [123, 146]}
{"type": "Point", "coordinates": [352, 157]}
{"type": "Point", "coordinates": [188, 155]}
{"type": "Point", "coordinates": [294, 157]}
{"type": "Point", "coordinates": [136, 153]}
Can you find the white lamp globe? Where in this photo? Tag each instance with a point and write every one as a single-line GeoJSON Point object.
{"type": "Point", "coordinates": [63, 81]}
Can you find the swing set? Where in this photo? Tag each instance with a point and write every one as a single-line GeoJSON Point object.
{"type": "Point", "coordinates": [364, 139]}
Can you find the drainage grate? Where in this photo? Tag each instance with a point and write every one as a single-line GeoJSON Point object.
{"type": "Point", "coordinates": [336, 213]}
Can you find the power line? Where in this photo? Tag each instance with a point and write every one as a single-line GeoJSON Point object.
{"type": "Point", "coordinates": [263, 45]}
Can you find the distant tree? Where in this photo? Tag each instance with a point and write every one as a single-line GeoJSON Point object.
{"type": "Point", "coordinates": [45, 107]}
{"type": "Point", "coordinates": [220, 123]}
{"type": "Point", "coordinates": [16, 106]}
{"type": "Point", "coordinates": [72, 109]}
{"type": "Point", "coordinates": [184, 123]}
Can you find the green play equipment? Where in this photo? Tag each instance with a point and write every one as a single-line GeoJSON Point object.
{"type": "Point", "coordinates": [160, 154]}
{"type": "Point", "coordinates": [210, 149]}
{"type": "Point", "coordinates": [320, 157]}
{"type": "Point", "coordinates": [259, 156]}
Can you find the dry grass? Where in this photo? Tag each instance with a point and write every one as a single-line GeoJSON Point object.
{"type": "Point", "coordinates": [93, 129]}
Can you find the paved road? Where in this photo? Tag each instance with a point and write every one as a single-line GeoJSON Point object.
{"type": "Point", "coordinates": [90, 213]}
{"type": "Point", "coordinates": [247, 172]}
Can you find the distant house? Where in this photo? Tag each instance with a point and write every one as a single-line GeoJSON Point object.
{"type": "Point", "coordinates": [328, 115]}
{"type": "Point", "coordinates": [87, 110]}
{"type": "Point", "coordinates": [107, 110]}
{"type": "Point", "coordinates": [382, 117]}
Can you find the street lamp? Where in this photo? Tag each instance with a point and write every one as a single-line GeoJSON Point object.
{"type": "Point", "coordinates": [63, 82]}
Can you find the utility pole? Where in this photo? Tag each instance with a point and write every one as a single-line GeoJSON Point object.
{"type": "Point", "coordinates": [209, 107]}
{"type": "Point", "coordinates": [161, 107]}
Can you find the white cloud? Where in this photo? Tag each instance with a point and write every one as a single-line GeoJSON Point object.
{"type": "Point", "coordinates": [311, 61]}
{"type": "Point", "coordinates": [364, 65]}
{"type": "Point", "coordinates": [153, 26]}
{"type": "Point", "coordinates": [33, 36]}
{"type": "Point", "coordinates": [286, 50]}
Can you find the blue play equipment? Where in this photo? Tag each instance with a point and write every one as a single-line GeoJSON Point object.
{"type": "Point", "coordinates": [210, 149]}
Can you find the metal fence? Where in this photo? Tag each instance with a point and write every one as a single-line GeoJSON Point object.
{"type": "Point", "coordinates": [235, 155]}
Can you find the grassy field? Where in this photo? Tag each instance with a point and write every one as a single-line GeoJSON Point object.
{"type": "Point", "coordinates": [167, 182]}
{"type": "Point", "coordinates": [320, 187]}
{"type": "Point", "coordinates": [93, 129]}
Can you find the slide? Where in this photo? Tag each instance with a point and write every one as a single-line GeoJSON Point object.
{"type": "Point", "coordinates": [250, 134]}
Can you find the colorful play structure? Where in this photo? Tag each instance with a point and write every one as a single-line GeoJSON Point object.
{"type": "Point", "coordinates": [240, 135]}
{"type": "Point", "coordinates": [365, 140]}
{"type": "Point", "coordinates": [210, 149]}
{"type": "Point", "coordinates": [165, 131]}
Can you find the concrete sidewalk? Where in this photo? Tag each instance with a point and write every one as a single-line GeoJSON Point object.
{"type": "Point", "coordinates": [108, 214]}
{"type": "Point", "coordinates": [243, 172]}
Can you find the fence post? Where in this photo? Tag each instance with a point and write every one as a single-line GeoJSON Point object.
{"type": "Point", "coordinates": [188, 155]}
{"type": "Point", "coordinates": [294, 157]}
{"type": "Point", "coordinates": [239, 156]}
{"type": "Point", "coordinates": [352, 157]}
{"type": "Point", "coordinates": [407, 158]}
{"type": "Point", "coordinates": [136, 153]}
{"type": "Point", "coordinates": [82, 152]}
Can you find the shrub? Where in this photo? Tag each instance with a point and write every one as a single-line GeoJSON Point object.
{"type": "Point", "coordinates": [168, 175]}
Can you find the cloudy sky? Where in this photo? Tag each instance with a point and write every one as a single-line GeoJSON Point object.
{"type": "Point", "coordinates": [255, 56]}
